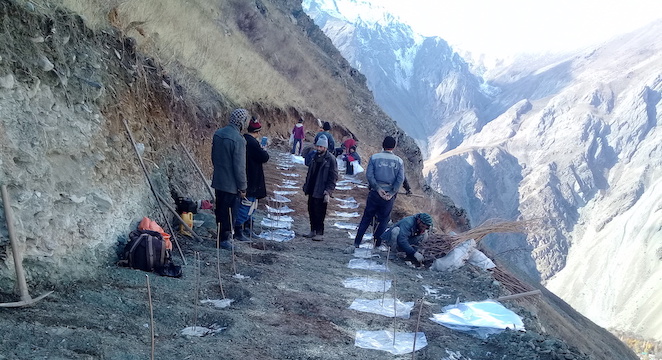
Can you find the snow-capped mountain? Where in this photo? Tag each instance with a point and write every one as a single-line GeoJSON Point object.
{"type": "Point", "coordinates": [572, 140]}
{"type": "Point", "coordinates": [419, 81]}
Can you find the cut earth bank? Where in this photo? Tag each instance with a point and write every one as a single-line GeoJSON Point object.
{"type": "Point", "coordinates": [289, 303]}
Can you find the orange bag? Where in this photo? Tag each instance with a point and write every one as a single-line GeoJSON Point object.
{"type": "Point", "coordinates": [149, 224]}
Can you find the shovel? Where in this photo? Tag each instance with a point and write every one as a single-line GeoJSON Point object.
{"type": "Point", "coordinates": [26, 300]}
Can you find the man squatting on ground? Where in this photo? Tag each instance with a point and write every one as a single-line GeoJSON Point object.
{"type": "Point", "coordinates": [385, 175]}
{"type": "Point", "coordinates": [228, 155]}
{"type": "Point", "coordinates": [256, 156]}
{"type": "Point", "coordinates": [406, 234]}
{"type": "Point", "coordinates": [320, 183]}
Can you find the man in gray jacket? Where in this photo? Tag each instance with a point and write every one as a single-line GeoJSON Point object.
{"type": "Point", "coordinates": [385, 175]}
{"type": "Point", "coordinates": [228, 155]}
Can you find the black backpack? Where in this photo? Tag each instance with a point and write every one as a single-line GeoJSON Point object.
{"type": "Point", "coordinates": [146, 250]}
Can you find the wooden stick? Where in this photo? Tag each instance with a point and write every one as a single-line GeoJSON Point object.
{"type": "Point", "coordinates": [151, 315]}
{"type": "Point", "coordinates": [197, 168]}
{"type": "Point", "coordinates": [18, 258]}
{"type": "Point", "coordinates": [516, 296]}
{"type": "Point", "coordinates": [218, 257]}
{"type": "Point", "coordinates": [395, 312]}
{"type": "Point", "coordinates": [174, 212]}
{"type": "Point", "coordinates": [234, 265]}
{"type": "Point", "coordinates": [197, 289]}
{"type": "Point", "coordinates": [151, 187]}
{"type": "Point", "coordinates": [418, 321]}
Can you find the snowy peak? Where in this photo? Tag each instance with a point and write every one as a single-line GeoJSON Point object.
{"type": "Point", "coordinates": [419, 81]}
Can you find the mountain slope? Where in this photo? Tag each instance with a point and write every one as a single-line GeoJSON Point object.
{"type": "Point", "coordinates": [420, 82]}
{"type": "Point", "coordinates": [584, 147]}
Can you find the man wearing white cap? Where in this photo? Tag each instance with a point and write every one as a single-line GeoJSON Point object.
{"type": "Point", "coordinates": [320, 183]}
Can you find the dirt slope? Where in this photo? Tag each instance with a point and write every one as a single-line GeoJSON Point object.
{"type": "Point", "coordinates": [292, 305]}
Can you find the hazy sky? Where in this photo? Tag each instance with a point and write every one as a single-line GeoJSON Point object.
{"type": "Point", "coordinates": [502, 27]}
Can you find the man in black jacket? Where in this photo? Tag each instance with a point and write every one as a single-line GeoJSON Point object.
{"type": "Point", "coordinates": [320, 183]}
{"type": "Point", "coordinates": [256, 156]}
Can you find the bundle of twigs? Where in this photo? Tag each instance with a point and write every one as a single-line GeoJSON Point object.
{"type": "Point", "coordinates": [509, 281]}
{"type": "Point", "coordinates": [437, 246]}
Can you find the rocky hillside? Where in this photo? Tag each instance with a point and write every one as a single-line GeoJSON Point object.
{"type": "Point", "coordinates": [580, 149]}
{"type": "Point", "coordinates": [68, 82]}
{"type": "Point", "coordinates": [73, 72]}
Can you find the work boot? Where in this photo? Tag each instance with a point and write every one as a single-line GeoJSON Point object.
{"type": "Point", "coordinates": [226, 245]}
{"type": "Point", "coordinates": [239, 235]}
{"type": "Point", "coordinates": [319, 236]}
{"type": "Point", "coordinates": [311, 234]}
{"type": "Point", "coordinates": [226, 240]}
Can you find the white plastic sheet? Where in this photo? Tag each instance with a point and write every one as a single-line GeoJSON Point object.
{"type": "Point", "coordinates": [347, 200]}
{"type": "Point", "coordinates": [479, 318]}
{"type": "Point", "coordinates": [298, 159]}
{"type": "Point", "coordinates": [288, 186]}
{"type": "Point", "coordinates": [367, 284]}
{"type": "Point", "coordinates": [279, 235]}
{"type": "Point", "coordinates": [366, 265]}
{"type": "Point", "coordinates": [344, 187]}
{"type": "Point", "coordinates": [290, 174]}
{"type": "Point", "coordinates": [202, 331]}
{"type": "Point", "coordinates": [346, 214]}
{"type": "Point", "coordinates": [383, 340]}
{"type": "Point", "coordinates": [285, 192]}
{"type": "Point", "coordinates": [348, 205]}
{"type": "Point", "coordinates": [280, 210]}
{"type": "Point", "coordinates": [366, 237]}
{"type": "Point", "coordinates": [276, 224]}
{"type": "Point", "coordinates": [223, 303]}
{"type": "Point", "coordinates": [346, 226]}
{"type": "Point", "coordinates": [285, 218]}
{"type": "Point", "coordinates": [364, 253]}
{"type": "Point", "coordinates": [384, 307]}
{"type": "Point", "coordinates": [280, 199]}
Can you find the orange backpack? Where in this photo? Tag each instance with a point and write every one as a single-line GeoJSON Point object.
{"type": "Point", "coordinates": [149, 224]}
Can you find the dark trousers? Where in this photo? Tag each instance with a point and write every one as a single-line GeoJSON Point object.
{"type": "Point", "coordinates": [317, 213]}
{"type": "Point", "coordinates": [224, 202]}
{"type": "Point", "coordinates": [375, 206]}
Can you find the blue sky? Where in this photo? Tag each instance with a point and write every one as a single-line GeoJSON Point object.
{"type": "Point", "coordinates": [504, 27]}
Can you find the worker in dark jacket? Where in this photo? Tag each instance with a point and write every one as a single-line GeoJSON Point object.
{"type": "Point", "coordinates": [256, 156]}
{"type": "Point", "coordinates": [326, 127]}
{"type": "Point", "coordinates": [407, 234]}
{"type": "Point", "coordinates": [320, 183]}
{"type": "Point", "coordinates": [228, 155]}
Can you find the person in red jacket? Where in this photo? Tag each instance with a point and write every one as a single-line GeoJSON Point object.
{"type": "Point", "coordinates": [299, 134]}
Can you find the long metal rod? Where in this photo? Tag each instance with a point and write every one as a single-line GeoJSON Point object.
{"type": "Point", "coordinates": [151, 187]}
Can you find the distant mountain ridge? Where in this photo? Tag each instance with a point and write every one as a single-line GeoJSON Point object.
{"type": "Point", "coordinates": [420, 82]}
{"type": "Point", "coordinates": [573, 140]}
